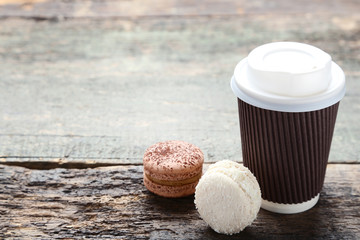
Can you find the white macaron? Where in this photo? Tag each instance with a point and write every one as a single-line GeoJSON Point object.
{"type": "Point", "coordinates": [228, 197]}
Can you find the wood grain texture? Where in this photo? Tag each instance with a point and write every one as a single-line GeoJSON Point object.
{"type": "Point", "coordinates": [105, 90]}
{"type": "Point", "coordinates": [52, 9]}
{"type": "Point", "coordinates": [111, 202]}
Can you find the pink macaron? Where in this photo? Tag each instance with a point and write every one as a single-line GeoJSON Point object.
{"type": "Point", "coordinates": [172, 168]}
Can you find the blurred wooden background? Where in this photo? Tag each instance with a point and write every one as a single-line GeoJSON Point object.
{"type": "Point", "coordinates": [100, 81]}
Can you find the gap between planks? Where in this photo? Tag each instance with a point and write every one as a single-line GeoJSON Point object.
{"type": "Point", "coordinates": [45, 165]}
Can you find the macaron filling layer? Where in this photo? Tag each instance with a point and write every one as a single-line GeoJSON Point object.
{"type": "Point", "coordinates": [176, 182]}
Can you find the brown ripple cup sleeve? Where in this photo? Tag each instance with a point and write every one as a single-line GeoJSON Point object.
{"type": "Point", "coordinates": [288, 152]}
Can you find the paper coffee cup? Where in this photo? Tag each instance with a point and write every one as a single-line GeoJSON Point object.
{"type": "Point", "coordinates": [288, 96]}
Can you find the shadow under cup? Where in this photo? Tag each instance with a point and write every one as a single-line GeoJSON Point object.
{"type": "Point", "coordinates": [287, 152]}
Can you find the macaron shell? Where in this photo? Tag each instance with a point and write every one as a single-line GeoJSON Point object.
{"type": "Point", "coordinates": [173, 160]}
{"type": "Point", "coordinates": [211, 200]}
{"type": "Point", "coordinates": [241, 175]}
{"type": "Point", "coordinates": [170, 191]}
{"type": "Point", "coordinates": [228, 197]}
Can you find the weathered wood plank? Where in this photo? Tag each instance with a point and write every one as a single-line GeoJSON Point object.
{"type": "Point", "coordinates": [48, 9]}
{"type": "Point", "coordinates": [106, 90]}
{"type": "Point", "coordinates": [111, 202]}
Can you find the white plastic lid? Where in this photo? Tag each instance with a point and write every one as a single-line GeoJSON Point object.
{"type": "Point", "coordinates": [289, 77]}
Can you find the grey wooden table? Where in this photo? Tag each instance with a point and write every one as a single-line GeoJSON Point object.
{"type": "Point", "coordinates": [87, 86]}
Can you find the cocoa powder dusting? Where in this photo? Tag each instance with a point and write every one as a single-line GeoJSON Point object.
{"type": "Point", "coordinates": [170, 154]}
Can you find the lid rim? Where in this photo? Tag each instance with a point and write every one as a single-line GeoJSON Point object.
{"type": "Point", "coordinates": [285, 104]}
{"type": "Point", "coordinates": [258, 81]}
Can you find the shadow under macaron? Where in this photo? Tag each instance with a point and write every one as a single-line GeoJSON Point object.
{"type": "Point", "coordinates": [179, 205]}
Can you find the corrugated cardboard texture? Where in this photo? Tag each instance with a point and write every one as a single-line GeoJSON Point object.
{"type": "Point", "coordinates": [287, 152]}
